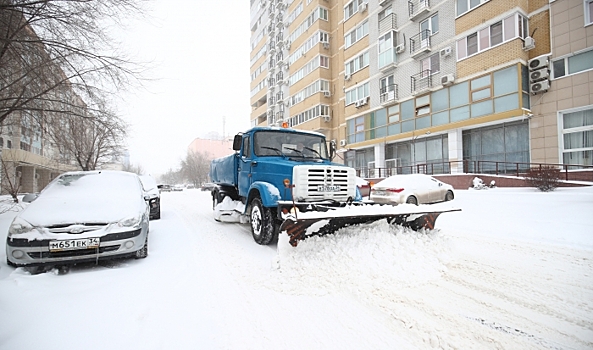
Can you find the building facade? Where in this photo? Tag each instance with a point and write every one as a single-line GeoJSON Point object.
{"type": "Point", "coordinates": [439, 84]}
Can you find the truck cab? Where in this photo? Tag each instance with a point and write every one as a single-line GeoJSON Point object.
{"type": "Point", "coordinates": [279, 169]}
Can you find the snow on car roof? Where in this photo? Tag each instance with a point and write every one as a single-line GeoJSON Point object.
{"type": "Point", "coordinates": [408, 179]}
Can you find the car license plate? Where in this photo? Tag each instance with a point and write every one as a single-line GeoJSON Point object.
{"type": "Point", "coordinates": [85, 243]}
{"type": "Point", "coordinates": [379, 193]}
{"type": "Point", "coordinates": [328, 188]}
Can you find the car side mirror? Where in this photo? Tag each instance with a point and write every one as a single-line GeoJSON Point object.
{"type": "Point", "coordinates": [30, 197]}
{"type": "Point", "coordinates": [237, 141]}
{"type": "Point", "coordinates": [332, 149]}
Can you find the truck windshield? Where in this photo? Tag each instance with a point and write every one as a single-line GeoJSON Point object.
{"type": "Point", "coordinates": [281, 143]}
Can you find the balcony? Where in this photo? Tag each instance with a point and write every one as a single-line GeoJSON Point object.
{"type": "Point", "coordinates": [420, 43]}
{"type": "Point", "coordinates": [417, 8]}
{"type": "Point", "coordinates": [421, 81]}
{"type": "Point", "coordinates": [388, 94]}
{"type": "Point", "coordinates": [388, 23]}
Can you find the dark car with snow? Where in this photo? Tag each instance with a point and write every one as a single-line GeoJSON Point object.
{"type": "Point", "coordinates": [152, 194]}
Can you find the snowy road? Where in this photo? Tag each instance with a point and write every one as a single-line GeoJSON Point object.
{"type": "Point", "coordinates": [513, 270]}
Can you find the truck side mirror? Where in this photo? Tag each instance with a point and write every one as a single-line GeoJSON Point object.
{"type": "Point", "coordinates": [332, 149]}
{"type": "Point", "coordinates": [237, 142]}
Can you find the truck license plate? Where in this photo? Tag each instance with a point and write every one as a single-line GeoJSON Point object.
{"type": "Point", "coordinates": [328, 188]}
{"type": "Point", "coordinates": [69, 244]}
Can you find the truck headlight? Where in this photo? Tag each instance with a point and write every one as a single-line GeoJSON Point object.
{"type": "Point", "coordinates": [19, 226]}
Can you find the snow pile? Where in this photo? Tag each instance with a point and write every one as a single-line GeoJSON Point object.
{"type": "Point", "coordinates": [360, 259]}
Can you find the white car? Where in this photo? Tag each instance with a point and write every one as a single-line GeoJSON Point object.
{"type": "Point", "coordinates": [411, 188]}
{"type": "Point", "coordinates": [81, 216]}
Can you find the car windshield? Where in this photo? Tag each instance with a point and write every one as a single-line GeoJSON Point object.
{"type": "Point", "coordinates": [148, 182]}
{"type": "Point", "coordinates": [94, 185]}
{"type": "Point", "coordinates": [279, 143]}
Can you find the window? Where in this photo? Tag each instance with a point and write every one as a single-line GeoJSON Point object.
{"type": "Point", "coordinates": [588, 12]}
{"type": "Point", "coordinates": [508, 29]}
{"type": "Point", "coordinates": [577, 137]}
{"type": "Point", "coordinates": [386, 12]}
{"type": "Point", "coordinates": [357, 93]}
{"type": "Point", "coordinates": [357, 34]}
{"type": "Point", "coordinates": [357, 63]}
{"type": "Point", "coordinates": [496, 33]}
{"type": "Point", "coordinates": [431, 24]}
{"type": "Point", "coordinates": [573, 64]}
{"type": "Point", "coordinates": [386, 49]}
{"type": "Point", "coordinates": [351, 8]}
{"type": "Point", "coordinates": [464, 6]}
{"type": "Point", "coordinates": [431, 63]}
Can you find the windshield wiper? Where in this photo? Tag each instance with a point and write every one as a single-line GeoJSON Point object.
{"type": "Point", "coordinates": [296, 150]}
{"type": "Point", "coordinates": [274, 149]}
{"type": "Point", "coordinates": [314, 151]}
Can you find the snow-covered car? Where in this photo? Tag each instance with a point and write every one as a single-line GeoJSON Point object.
{"type": "Point", "coordinates": [364, 187]}
{"type": "Point", "coordinates": [177, 188]}
{"type": "Point", "coordinates": [164, 188]}
{"type": "Point", "coordinates": [151, 191]}
{"type": "Point", "coordinates": [81, 216]}
{"type": "Point", "coordinates": [411, 188]}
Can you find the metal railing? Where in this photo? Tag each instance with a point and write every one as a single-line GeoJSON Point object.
{"type": "Point", "coordinates": [516, 169]}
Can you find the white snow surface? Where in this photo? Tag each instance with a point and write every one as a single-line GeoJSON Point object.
{"type": "Point", "coordinates": [512, 270]}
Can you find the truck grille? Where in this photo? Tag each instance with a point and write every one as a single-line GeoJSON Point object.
{"type": "Point", "coordinates": [316, 183]}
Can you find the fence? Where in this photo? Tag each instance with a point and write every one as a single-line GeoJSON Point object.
{"type": "Point", "coordinates": [570, 171]}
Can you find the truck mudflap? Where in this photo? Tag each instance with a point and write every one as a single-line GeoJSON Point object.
{"type": "Point", "coordinates": [304, 225]}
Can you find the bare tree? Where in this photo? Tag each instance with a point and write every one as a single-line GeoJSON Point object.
{"type": "Point", "coordinates": [195, 167]}
{"type": "Point", "coordinates": [52, 46]}
{"type": "Point", "coordinates": [96, 139]}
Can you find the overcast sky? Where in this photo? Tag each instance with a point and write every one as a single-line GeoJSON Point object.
{"type": "Point", "coordinates": [200, 54]}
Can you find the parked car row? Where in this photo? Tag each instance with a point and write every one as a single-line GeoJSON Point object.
{"type": "Point", "coordinates": [84, 216]}
{"type": "Point", "coordinates": [408, 188]}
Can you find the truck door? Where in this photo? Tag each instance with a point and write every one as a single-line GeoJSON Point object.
{"type": "Point", "coordinates": [246, 163]}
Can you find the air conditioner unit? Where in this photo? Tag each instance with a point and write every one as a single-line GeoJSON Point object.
{"type": "Point", "coordinates": [538, 62]}
{"type": "Point", "coordinates": [343, 142]}
{"type": "Point", "coordinates": [529, 43]}
{"type": "Point", "coordinates": [347, 77]}
{"type": "Point", "coordinates": [540, 87]}
{"type": "Point", "coordinates": [446, 51]}
{"type": "Point", "coordinates": [362, 7]}
{"type": "Point", "coordinates": [357, 103]}
{"type": "Point", "coordinates": [400, 48]}
{"type": "Point", "coordinates": [447, 79]}
{"type": "Point", "coordinates": [326, 46]}
{"type": "Point", "coordinates": [539, 74]}
{"type": "Point", "coordinates": [287, 44]}
{"type": "Point", "coordinates": [363, 101]}
{"type": "Point", "coordinates": [327, 118]}
{"type": "Point", "coordinates": [327, 93]}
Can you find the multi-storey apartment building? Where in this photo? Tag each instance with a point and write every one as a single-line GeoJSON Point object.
{"type": "Point", "coordinates": [28, 160]}
{"type": "Point", "coordinates": [438, 82]}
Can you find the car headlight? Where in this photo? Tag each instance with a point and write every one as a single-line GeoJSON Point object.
{"type": "Point", "coordinates": [131, 221]}
{"type": "Point", "coordinates": [19, 226]}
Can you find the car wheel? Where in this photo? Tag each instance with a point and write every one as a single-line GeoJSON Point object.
{"type": "Point", "coordinates": [263, 226]}
{"type": "Point", "coordinates": [412, 200]}
{"type": "Point", "coordinates": [158, 215]}
{"type": "Point", "coordinates": [449, 196]}
{"type": "Point", "coordinates": [143, 252]}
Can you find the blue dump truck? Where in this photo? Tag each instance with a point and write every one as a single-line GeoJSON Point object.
{"type": "Point", "coordinates": [283, 180]}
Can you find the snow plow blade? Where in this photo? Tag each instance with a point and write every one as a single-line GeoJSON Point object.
{"type": "Point", "coordinates": [302, 227]}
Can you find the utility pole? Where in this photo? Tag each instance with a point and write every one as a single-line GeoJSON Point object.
{"type": "Point", "coordinates": [223, 127]}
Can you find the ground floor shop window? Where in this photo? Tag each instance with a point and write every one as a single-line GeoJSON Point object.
{"type": "Point", "coordinates": [499, 148]}
{"type": "Point", "coordinates": [577, 137]}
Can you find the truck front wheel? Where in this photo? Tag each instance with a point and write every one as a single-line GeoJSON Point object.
{"type": "Point", "coordinates": [263, 226]}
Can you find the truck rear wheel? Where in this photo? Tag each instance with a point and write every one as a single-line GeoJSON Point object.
{"type": "Point", "coordinates": [263, 227]}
